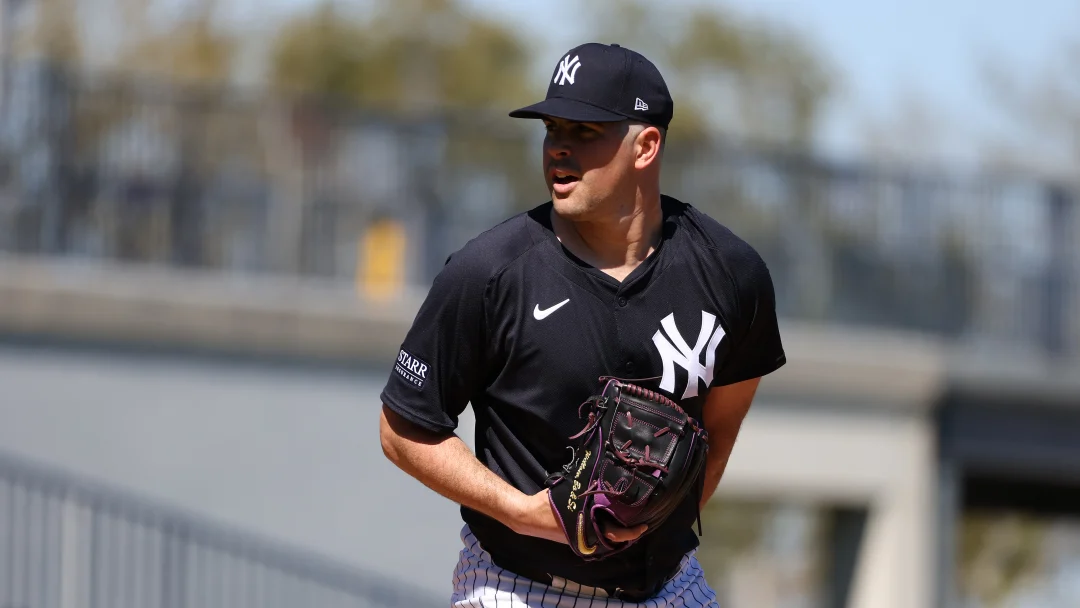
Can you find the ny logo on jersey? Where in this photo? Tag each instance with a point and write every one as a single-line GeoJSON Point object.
{"type": "Point", "coordinates": [675, 350]}
{"type": "Point", "coordinates": [567, 70]}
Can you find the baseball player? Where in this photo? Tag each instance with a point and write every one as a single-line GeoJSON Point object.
{"type": "Point", "coordinates": [608, 278]}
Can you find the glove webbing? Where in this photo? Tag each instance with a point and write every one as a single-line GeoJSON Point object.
{"type": "Point", "coordinates": [654, 396]}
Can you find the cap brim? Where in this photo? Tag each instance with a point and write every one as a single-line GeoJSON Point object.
{"type": "Point", "coordinates": [568, 109]}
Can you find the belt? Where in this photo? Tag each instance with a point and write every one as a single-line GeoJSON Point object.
{"type": "Point", "coordinates": [629, 595]}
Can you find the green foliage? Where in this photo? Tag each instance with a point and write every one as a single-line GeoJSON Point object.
{"type": "Point", "coordinates": [744, 79]}
{"type": "Point", "coordinates": [54, 34]}
{"type": "Point", "coordinates": [999, 555]}
{"type": "Point", "coordinates": [410, 54]}
{"type": "Point", "coordinates": [188, 48]}
{"type": "Point", "coordinates": [192, 51]}
{"type": "Point", "coordinates": [320, 53]}
{"type": "Point", "coordinates": [727, 74]}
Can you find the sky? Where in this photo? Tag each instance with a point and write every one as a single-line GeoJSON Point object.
{"type": "Point", "coordinates": [885, 52]}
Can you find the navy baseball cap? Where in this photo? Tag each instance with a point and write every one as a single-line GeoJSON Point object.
{"type": "Point", "coordinates": [604, 83]}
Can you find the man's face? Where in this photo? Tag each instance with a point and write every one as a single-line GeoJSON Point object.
{"type": "Point", "coordinates": [586, 165]}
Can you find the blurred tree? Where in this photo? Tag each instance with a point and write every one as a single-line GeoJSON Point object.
{"type": "Point", "coordinates": [191, 49]}
{"type": "Point", "coordinates": [319, 53]}
{"type": "Point", "coordinates": [409, 54]}
{"type": "Point", "coordinates": [53, 32]}
{"type": "Point", "coordinates": [188, 47]}
{"type": "Point", "coordinates": [745, 79]}
{"type": "Point", "coordinates": [999, 555]}
{"type": "Point", "coordinates": [1041, 110]}
{"type": "Point", "coordinates": [420, 57]}
{"type": "Point", "coordinates": [913, 130]}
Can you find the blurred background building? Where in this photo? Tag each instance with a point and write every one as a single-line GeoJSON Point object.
{"type": "Point", "coordinates": [218, 217]}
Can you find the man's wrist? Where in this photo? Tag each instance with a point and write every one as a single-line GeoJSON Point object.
{"type": "Point", "coordinates": [512, 509]}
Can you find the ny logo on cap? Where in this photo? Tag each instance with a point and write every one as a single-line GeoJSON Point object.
{"type": "Point", "coordinates": [567, 69]}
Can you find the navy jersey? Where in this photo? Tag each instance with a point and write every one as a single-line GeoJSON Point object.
{"type": "Point", "coordinates": [523, 330]}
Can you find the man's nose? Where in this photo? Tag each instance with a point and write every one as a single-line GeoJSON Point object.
{"type": "Point", "coordinates": [557, 147]}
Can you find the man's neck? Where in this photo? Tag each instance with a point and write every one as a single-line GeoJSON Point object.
{"type": "Point", "coordinates": [615, 245]}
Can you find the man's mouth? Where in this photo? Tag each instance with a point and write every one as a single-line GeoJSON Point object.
{"type": "Point", "coordinates": [563, 177]}
{"type": "Point", "coordinates": [563, 182]}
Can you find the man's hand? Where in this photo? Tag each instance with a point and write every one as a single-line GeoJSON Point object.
{"type": "Point", "coordinates": [535, 517]}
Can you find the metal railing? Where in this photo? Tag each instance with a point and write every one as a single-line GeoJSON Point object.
{"type": "Point", "coordinates": [67, 543]}
{"type": "Point", "coordinates": [115, 169]}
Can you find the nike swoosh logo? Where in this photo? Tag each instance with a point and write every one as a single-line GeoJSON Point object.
{"type": "Point", "coordinates": [540, 315]}
{"type": "Point", "coordinates": [582, 545]}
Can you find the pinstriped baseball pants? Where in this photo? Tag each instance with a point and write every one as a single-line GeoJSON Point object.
{"type": "Point", "coordinates": [478, 583]}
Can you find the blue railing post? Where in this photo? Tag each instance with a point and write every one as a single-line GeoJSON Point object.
{"type": "Point", "coordinates": [1057, 281]}
{"type": "Point", "coordinates": [174, 566]}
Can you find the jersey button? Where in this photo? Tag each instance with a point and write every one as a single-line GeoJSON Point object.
{"type": "Point", "coordinates": [629, 366]}
{"type": "Point", "coordinates": [622, 301]}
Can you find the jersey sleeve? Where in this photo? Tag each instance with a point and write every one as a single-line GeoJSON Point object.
{"type": "Point", "coordinates": [441, 359]}
{"type": "Point", "coordinates": [757, 349]}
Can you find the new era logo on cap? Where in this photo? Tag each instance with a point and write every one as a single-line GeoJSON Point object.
{"type": "Point", "coordinates": [604, 83]}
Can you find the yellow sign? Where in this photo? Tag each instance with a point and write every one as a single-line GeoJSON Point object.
{"type": "Point", "coordinates": [380, 271]}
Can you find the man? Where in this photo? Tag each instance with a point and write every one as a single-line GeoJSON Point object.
{"type": "Point", "coordinates": [609, 278]}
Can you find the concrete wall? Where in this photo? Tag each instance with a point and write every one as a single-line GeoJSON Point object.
{"type": "Point", "coordinates": [878, 459]}
{"type": "Point", "coordinates": [198, 311]}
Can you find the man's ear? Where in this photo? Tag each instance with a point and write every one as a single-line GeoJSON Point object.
{"type": "Point", "coordinates": [647, 146]}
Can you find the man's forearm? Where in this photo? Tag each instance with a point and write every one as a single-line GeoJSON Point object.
{"type": "Point", "coordinates": [714, 471]}
{"type": "Point", "coordinates": [447, 466]}
{"type": "Point", "coordinates": [725, 408]}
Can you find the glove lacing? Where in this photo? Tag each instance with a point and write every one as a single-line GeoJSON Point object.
{"type": "Point", "coordinates": [624, 455]}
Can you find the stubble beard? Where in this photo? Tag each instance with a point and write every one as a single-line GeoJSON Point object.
{"type": "Point", "coordinates": [576, 207]}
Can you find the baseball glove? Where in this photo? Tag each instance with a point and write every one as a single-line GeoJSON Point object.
{"type": "Point", "coordinates": [637, 458]}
